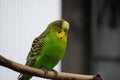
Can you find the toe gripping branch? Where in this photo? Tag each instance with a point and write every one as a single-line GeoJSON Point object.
{"type": "Point", "coordinates": [46, 71]}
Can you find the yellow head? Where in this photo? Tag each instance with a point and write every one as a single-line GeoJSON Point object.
{"type": "Point", "coordinates": [60, 27]}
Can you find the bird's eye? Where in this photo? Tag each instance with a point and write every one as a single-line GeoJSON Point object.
{"type": "Point", "coordinates": [65, 30]}
{"type": "Point", "coordinates": [59, 31]}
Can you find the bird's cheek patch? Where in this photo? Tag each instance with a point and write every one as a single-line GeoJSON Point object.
{"type": "Point", "coordinates": [62, 35]}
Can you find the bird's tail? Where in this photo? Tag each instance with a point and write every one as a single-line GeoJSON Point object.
{"type": "Point", "coordinates": [24, 77]}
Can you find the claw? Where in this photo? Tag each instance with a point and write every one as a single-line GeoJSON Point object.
{"type": "Point", "coordinates": [45, 71]}
{"type": "Point", "coordinates": [55, 72]}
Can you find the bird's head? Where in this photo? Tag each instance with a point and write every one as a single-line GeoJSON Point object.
{"type": "Point", "coordinates": [60, 27]}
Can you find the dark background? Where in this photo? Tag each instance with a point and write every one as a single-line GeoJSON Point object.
{"type": "Point", "coordinates": [94, 37]}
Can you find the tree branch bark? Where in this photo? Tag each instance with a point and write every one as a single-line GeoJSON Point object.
{"type": "Point", "coordinates": [40, 73]}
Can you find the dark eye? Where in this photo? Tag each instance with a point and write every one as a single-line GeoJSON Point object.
{"type": "Point", "coordinates": [65, 30]}
{"type": "Point", "coordinates": [59, 31]}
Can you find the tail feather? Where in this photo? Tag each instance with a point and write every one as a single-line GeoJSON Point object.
{"type": "Point", "coordinates": [24, 77]}
{"type": "Point", "coordinates": [20, 77]}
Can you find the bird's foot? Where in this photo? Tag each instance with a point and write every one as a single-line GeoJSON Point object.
{"type": "Point", "coordinates": [45, 71]}
{"type": "Point", "coordinates": [55, 72]}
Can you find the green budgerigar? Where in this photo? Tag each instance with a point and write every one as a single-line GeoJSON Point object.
{"type": "Point", "coordinates": [48, 48]}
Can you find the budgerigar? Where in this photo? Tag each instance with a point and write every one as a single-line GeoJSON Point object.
{"type": "Point", "coordinates": [48, 48]}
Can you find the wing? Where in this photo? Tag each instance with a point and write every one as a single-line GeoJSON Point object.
{"type": "Point", "coordinates": [36, 49]}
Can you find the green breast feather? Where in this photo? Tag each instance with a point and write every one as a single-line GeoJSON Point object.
{"type": "Point", "coordinates": [53, 50]}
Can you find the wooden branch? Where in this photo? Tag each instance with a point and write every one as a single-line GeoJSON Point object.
{"type": "Point", "coordinates": [40, 73]}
